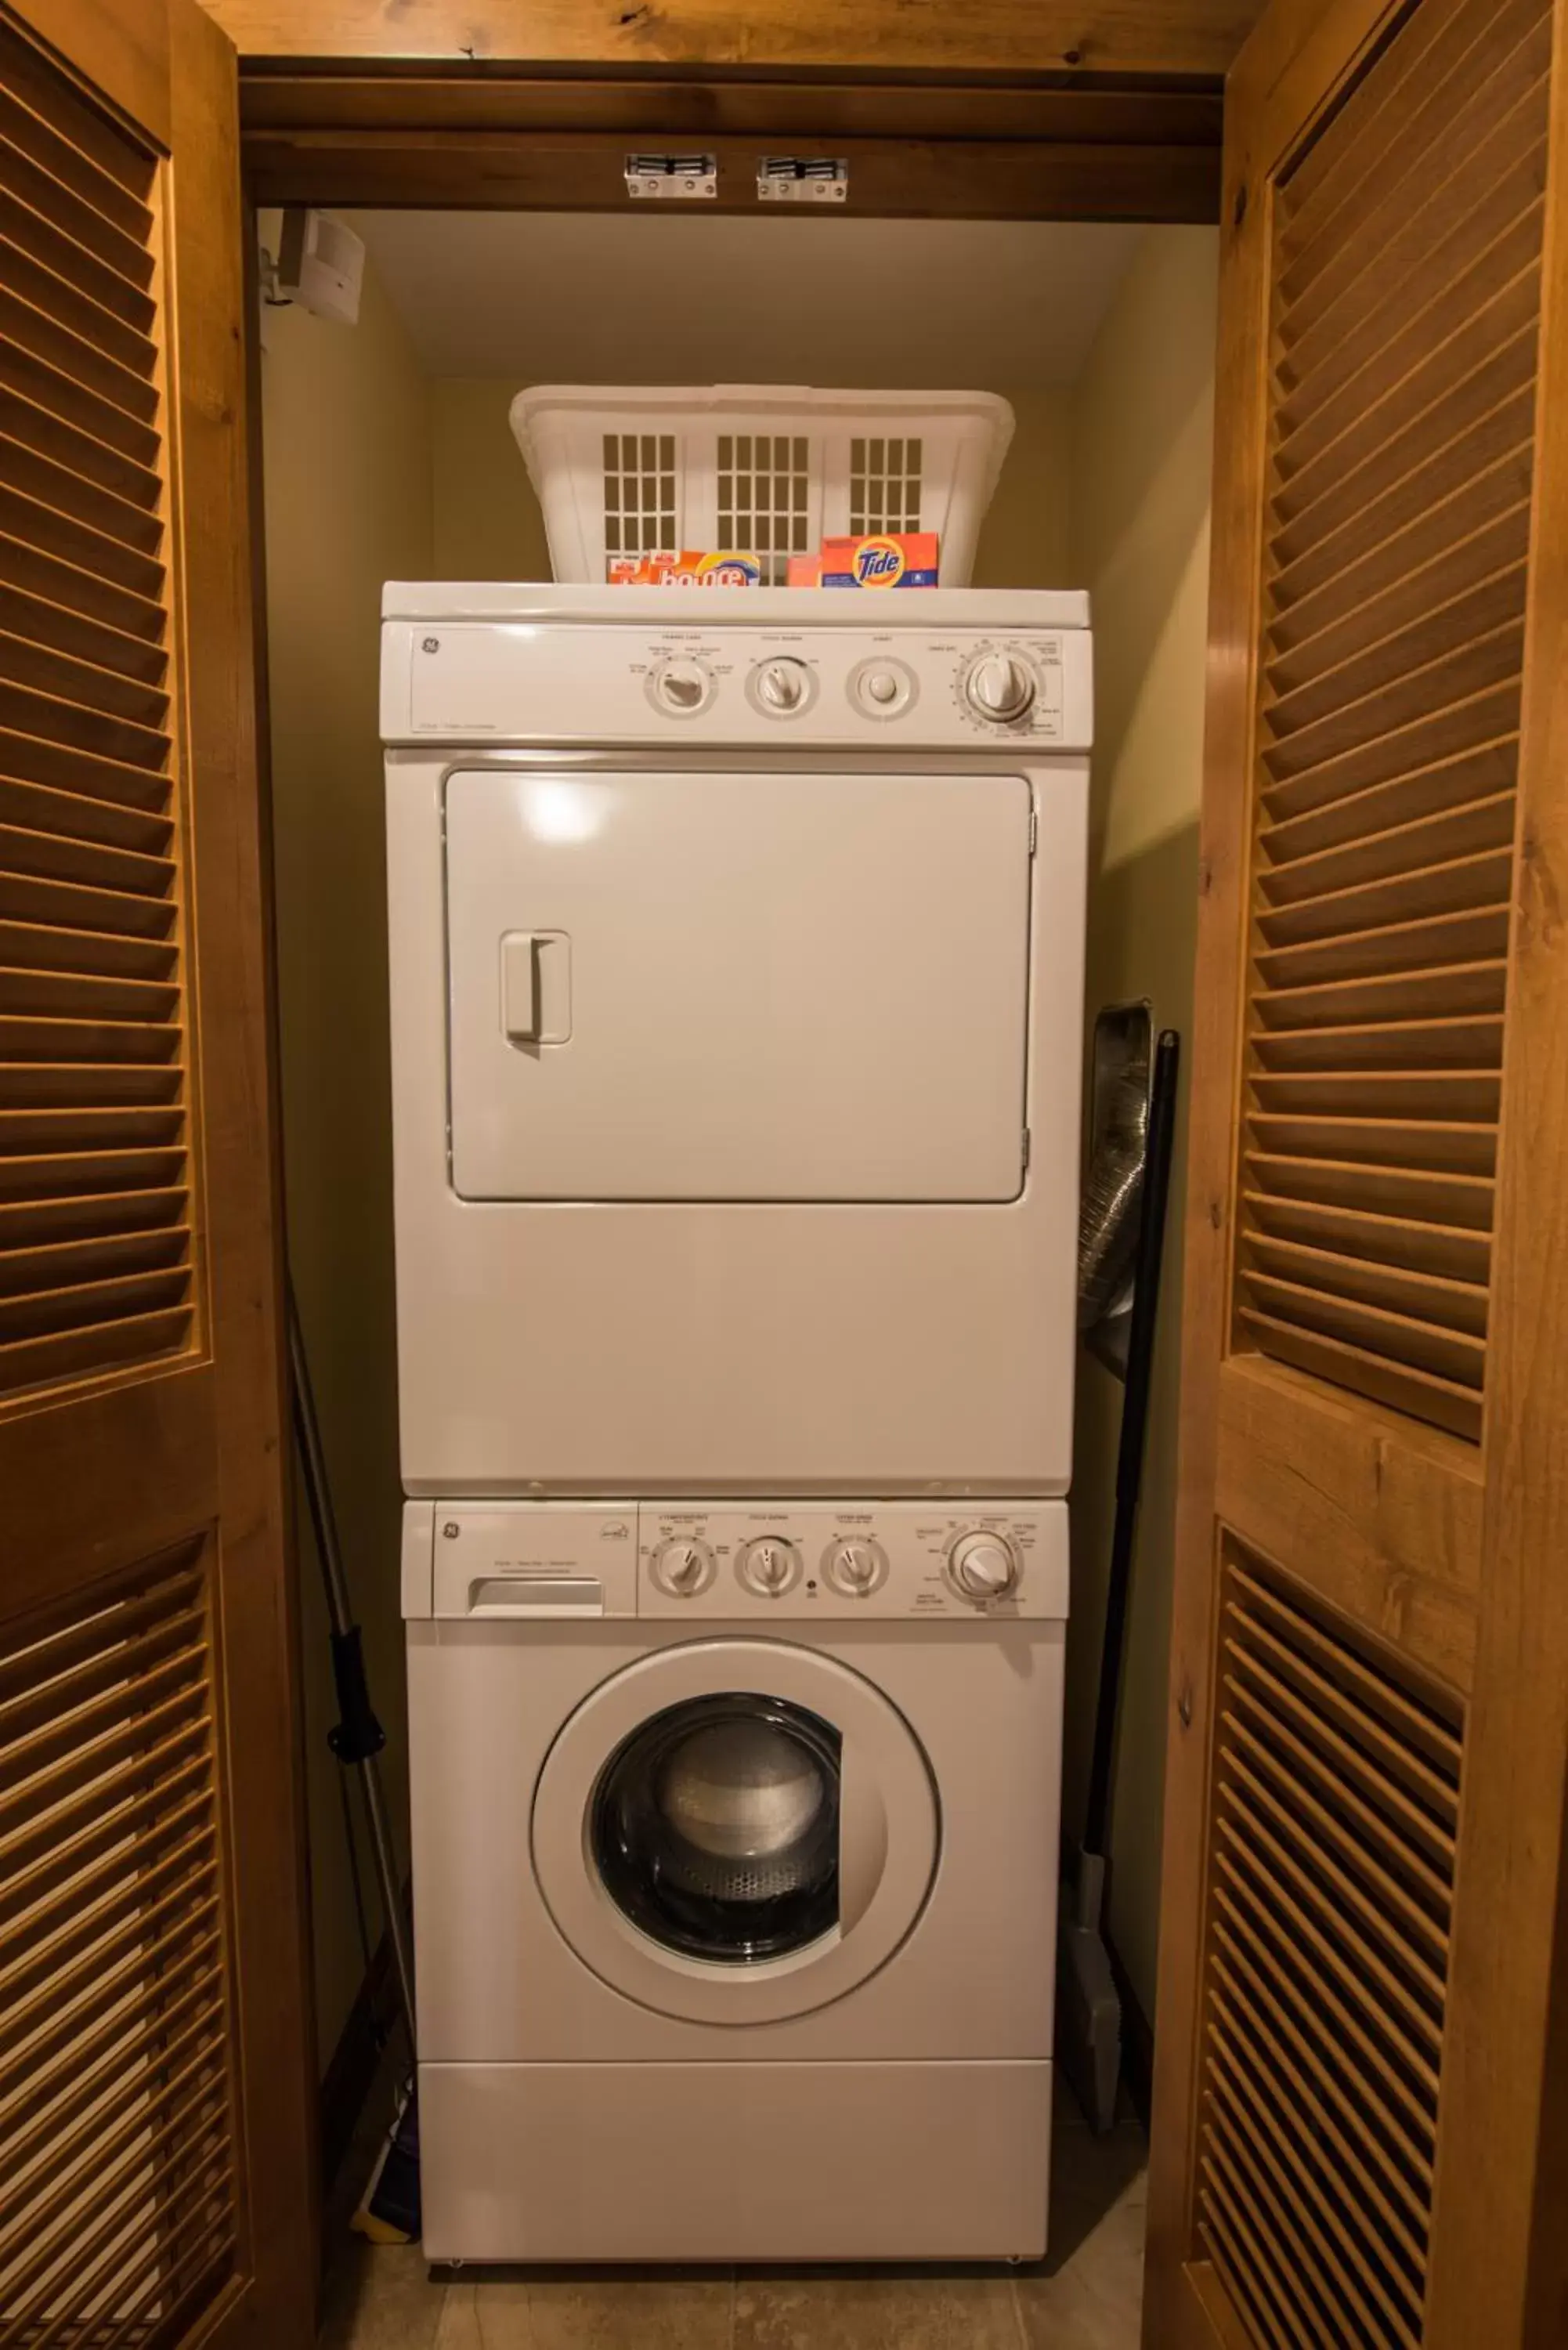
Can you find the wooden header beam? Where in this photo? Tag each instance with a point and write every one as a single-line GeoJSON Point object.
{"type": "Point", "coordinates": [583, 171]}
{"type": "Point", "coordinates": [966, 150]}
{"type": "Point", "coordinates": [560, 144]}
{"type": "Point", "coordinates": [1157, 38]}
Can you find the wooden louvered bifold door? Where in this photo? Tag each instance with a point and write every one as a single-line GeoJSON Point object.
{"type": "Point", "coordinates": [156, 2088]}
{"type": "Point", "coordinates": [1406, 250]}
{"type": "Point", "coordinates": [95, 1200]}
{"type": "Point", "coordinates": [1362, 2066]}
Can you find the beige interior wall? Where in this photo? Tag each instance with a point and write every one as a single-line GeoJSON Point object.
{"type": "Point", "coordinates": [1025, 540]}
{"type": "Point", "coordinates": [348, 472]}
{"type": "Point", "coordinates": [1140, 462]}
{"type": "Point", "coordinates": [488, 524]}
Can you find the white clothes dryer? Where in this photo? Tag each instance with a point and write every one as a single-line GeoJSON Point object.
{"type": "Point", "coordinates": [737, 946]}
{"type": "Point", "coordinates": [735, 1877]}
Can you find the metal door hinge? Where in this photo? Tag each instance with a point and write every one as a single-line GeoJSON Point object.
{"type": "Point", "coordinates": [1034, 830]}
{"type": "Point", "coordinates": [671, 175]}
{"type": "Point", "coordinates": [802, 180]}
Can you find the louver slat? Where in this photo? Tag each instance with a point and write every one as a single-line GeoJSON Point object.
{"type": "Point", "coordinates": [96, 1235]}
{"type": "Point", "coordinates": [1406, 320]}
{"type": "Point", "coordinates": [1336, 1795]}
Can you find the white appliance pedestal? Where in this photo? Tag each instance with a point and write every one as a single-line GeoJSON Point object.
{"type": "Point", "coordinates": [735, 2162]}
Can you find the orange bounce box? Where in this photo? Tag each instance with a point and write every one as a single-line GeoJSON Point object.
{"type": "Point", "coordinates": [902, 559]}
{"type": "Point", "coordinates": [693, 569]}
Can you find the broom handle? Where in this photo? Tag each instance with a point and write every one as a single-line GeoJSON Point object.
{"type": "Point", "coordinates": [358, 1737]}
{"type": "Point", "coordinates": [1135, 1424]}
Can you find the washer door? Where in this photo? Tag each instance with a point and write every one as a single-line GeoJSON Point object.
{"type": "Point", "coordinates": [735, 1831]}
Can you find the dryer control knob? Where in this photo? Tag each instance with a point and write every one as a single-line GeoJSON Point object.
{"type": "Point", "coordinates": [768, 1566]}
{"type": "Point", "coordinates": [1000, 687]}
{"type": "Point", "coordinates": [682, 1569]}
{"type": "Point", "coordinates": [856, 1566]}
{"type": "Point", "coordinates": [682, 686]}
{"type": "Point", "coordinates": [982, 1566]}
{"type": "Point", "coordinates": [782, 686]}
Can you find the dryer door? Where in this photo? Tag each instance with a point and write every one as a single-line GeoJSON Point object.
{"type": "Point", "coordinates": [735, 1831]}
{"type": "Point", "coordinates": [743, 986]}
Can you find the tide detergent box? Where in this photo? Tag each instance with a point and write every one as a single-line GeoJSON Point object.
{"type": "Point", "coordinates": [897, 559]}
{"type": "Point", "coordinates": [694, 568]}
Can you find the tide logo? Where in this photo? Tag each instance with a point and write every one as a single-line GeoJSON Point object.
{"type": "Point", "coordinates": [879, 563]}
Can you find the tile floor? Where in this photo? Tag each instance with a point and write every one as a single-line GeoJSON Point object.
{"type": "Point", "coordinates": [1085, 2295]}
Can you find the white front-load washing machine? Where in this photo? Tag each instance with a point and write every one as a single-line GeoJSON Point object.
{"type": "Point", "coordinates": [736, 987]}
{"type": "Point", "coordinates": [735, 1873]}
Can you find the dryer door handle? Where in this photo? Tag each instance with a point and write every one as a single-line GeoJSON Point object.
{"type": "Point", "coordinates": [535, 988]}
{"type": "Point", "coordinates": [862, 1837]}
{"type": "Point", "coordinates": [520, 986]}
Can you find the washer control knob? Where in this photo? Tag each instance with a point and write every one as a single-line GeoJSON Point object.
{"type": "Point", "coordinates": [882, 687]}
{"type": "Point", "coordinates": [1000, 687]}
{"type": "Point", "coordinates": [682, 1569]}
{"type": "Point", "coordinates": [768, 1566]}
{"type": "Point", "coordinates": [682, 685]}
{"type": "Point", "coordinates": [856, 1566]}
{"type": "Point", "coordinates": [982, 1566]}
{"type": "Point", "coordinates": [782, 686]}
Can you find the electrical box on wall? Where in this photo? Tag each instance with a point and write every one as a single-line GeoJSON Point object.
{"type": "Point", "coordinates": [320, 264]}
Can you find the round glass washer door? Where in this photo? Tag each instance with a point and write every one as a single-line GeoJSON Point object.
{"type": "Point", "coordinates": [715, 1827]}
{"type": "Point", "coordinates": [735, 1831]}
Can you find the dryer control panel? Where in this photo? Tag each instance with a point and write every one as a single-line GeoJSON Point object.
{"type": "Point", "coordinates": [651, 678]}
{"type": "Point", "coordinates": [736, 1561]}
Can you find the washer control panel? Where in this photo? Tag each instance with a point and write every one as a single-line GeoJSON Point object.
{"type": "Point", "coordinates": [736, 1561]}
{"type": "Point", "coordinates": [804, 1560]}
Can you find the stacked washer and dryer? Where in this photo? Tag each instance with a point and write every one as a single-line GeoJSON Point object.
{"type": "Point", "coordinates": [737, 949]}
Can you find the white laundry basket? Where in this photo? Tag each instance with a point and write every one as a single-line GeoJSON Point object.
{"type": "Point", "coordinates": [763, 469]}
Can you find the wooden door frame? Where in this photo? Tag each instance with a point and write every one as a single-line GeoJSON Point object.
{"type": "Point", "coordinates": [992, 122]}
{"type": "Point", "coordinates": [1130, 134]}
